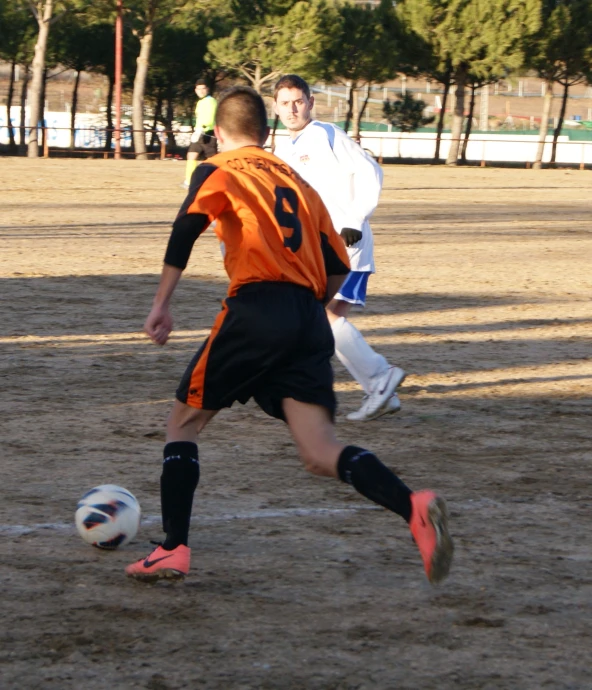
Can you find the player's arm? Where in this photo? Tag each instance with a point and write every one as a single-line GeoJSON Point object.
{"type": "Point", "coordinates": [159, 323]}
{"type": "Point", "coordinates": [366, 176]}
{"type": "Point", "coordinates": [186, 229]}
{"type": "Point", "coordinates": [334, 255]}
{"type": "Point", "coordinates": [196, 131]}
{"type": "Point", "coordinates": [203, 203]}
{"type": "Point", "coordinates": [333, 285]}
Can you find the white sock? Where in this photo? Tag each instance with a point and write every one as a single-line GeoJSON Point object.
{"type": "Point", "coordinates": [356, 355]}
{"type": "Point", "coordinates": [352, 370]}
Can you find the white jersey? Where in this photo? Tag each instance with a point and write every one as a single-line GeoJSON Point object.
{"type": "Point", "coordinates": [347, 179]}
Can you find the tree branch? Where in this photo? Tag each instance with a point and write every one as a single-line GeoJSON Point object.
{"type": "Point", "coordinates": [249, 75]}
{"type": "Point", "coordinates": [33, 10]}
{"type": "Point", "coordinates": [270, 76]}
{"type": "Point", "coordinates": [57, 17]}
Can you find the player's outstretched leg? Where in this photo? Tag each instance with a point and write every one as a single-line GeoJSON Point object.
{"type": "Point", "coordinates": [424, 511]}
{"type": "Point", "coordinates": [429, 527]}
{"type": "Point", "coordinates": [178, 482]}
{"type": "Point", "coordinates": [370, 369]}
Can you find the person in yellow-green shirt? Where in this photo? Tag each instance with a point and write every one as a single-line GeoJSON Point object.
{"type": "Point", "coordinates": [203, 142]}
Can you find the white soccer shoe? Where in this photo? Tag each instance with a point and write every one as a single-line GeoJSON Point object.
{"type": "Point", "coordinates": [393, 405]}
{"type": "Point", "coordinates": [383, 399]}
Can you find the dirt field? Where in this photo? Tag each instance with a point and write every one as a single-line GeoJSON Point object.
{"type": "Point", "coordinates": [482, 295]}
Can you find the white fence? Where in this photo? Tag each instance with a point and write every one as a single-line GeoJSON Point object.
{"type": "Point", "coordinates": [483, 147]}
{"type": "Point", "coordinates": [90, 132]}
{"type": "Point", "coordinates": [500, 148]}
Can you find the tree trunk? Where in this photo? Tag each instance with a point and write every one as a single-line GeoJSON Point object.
{"type": "Point", "coordinates": [154, 135]}
{"type": "Point", "coordinates": [356, 116]}
{"type": "Point", "coordinates": [73, 110]}
{"type": "Point", "coordinates": [257, 79]}
{"type": "Point", "coordinates": [142, 63]}
{"type": "Point", "coordinates": [276, 119]}
{"type": "Point", "coordinates": [37, 80]}
{"type": "Point", "coordinates": [459, 116]}
{"type": "Point", "coordinates": [170, 114]}
{"type": "Point", "coordinates": [109, 133]}
{"type": "Point", "coordinates": [11, 140]}
{"type": "Point", "coordinates": [547, 103]}
{"type": "Point", "coordinates": [360, 115]}
{"type": "Point", "coordinates": [463, 155]}
{"type": "Point", "coordinates": [22, 134]}
{"type": "Point", "coordinates": [350, 108]}
{"type": "Point", "coordinates": [42, 107]}
{"type": "Point", "coordinates": [557, 131]}
{"type": "Point", "coordinates": [442, 115]}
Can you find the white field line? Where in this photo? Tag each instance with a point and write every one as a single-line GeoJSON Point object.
{"type": "Point", "coordinates": [267, 513]}
{"type": "Point", "coordinates": [80, 340]}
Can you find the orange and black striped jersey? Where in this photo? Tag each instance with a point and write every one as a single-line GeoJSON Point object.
{"type": "Point", "coordinates": [273, 225]}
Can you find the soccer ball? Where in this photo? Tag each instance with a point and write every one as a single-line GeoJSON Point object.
{"type": "Point", "coordinates": [107, 516]}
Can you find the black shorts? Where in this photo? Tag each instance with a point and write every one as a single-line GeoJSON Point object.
{"type": "Point", "coordinates": [270, 341]}
{"type": "Point", "coordinates": [206, 146]}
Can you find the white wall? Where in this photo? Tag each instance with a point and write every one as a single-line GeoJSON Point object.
{"type": "Point", "coordinates": [506, 147]}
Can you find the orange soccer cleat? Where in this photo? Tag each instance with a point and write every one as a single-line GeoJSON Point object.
{"type": "Point", "coordinates": [161, 564]}
{"type": "Point", "coordinates": [429, 527]}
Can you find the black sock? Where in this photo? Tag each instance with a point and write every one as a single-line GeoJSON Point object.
{"type": "Point", "coordinates": [375, 481]}
{"type": "Point", "coordinates": [178, 481]}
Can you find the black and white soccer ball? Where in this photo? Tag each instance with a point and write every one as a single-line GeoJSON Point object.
{"type": "Point", "coordinates": [108, 516]}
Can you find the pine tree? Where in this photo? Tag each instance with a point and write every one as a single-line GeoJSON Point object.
{"type": "Point", "coordinates": [17, 40]}
{"type": "Point", "coordinates": [144, 16]}
{"type": "Point", "coordinates": [363, 51]}
{"type": "Point", "coordinates": [178, 59]}
{"type": "Point", "coordinates": [561, 52]}
{"type": "Point", "coordinates": [406, 113]}
{"type": "Point", "coordinates": [262, 50]}
{"type": "Point", "coordinates": [472, 36]}
{"type": "Point", "coordinates": [72, 42]}
{"type": "Point", "coordinates": [46, 13]}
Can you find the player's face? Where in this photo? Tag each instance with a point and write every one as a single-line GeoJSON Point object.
{"type": "Point", "coordinates": [201, 91]}
{"type": "Point", "coordinates": [293, 108]}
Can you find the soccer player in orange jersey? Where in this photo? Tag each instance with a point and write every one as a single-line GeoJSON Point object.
{"type": "Point", "coordinates": [272, 340]}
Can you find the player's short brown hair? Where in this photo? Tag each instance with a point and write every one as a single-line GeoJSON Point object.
{"type": "Point", "coordinates": [291, 81]}
{"type": "Point", "coordinates": [241, 112]}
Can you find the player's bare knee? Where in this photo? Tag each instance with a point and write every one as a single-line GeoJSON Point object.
{"type": "Point", "coordinates": [316, 468]}
{"type": "Point", "coordinates": [318, 464]}
{"type": "Point", "coordinates": [185, 422]}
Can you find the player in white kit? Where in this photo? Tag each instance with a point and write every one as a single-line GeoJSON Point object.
{"type": "Point", "coordinates": [349, 182]}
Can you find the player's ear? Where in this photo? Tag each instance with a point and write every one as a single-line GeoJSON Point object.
{"type": "Point", "coordinates": [218, 134]}
{"type": "Point", "coordinates": [275, 108]}
{"type": "Point", "coordinates": [311, 102]}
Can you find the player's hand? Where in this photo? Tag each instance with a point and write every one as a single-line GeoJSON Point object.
{"type": "Point", "coordinates": [351, 236]}
{"type": "Point", "coordinates": [194, 137]}
{"type": "Point", "coordinates": [158, 325]}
